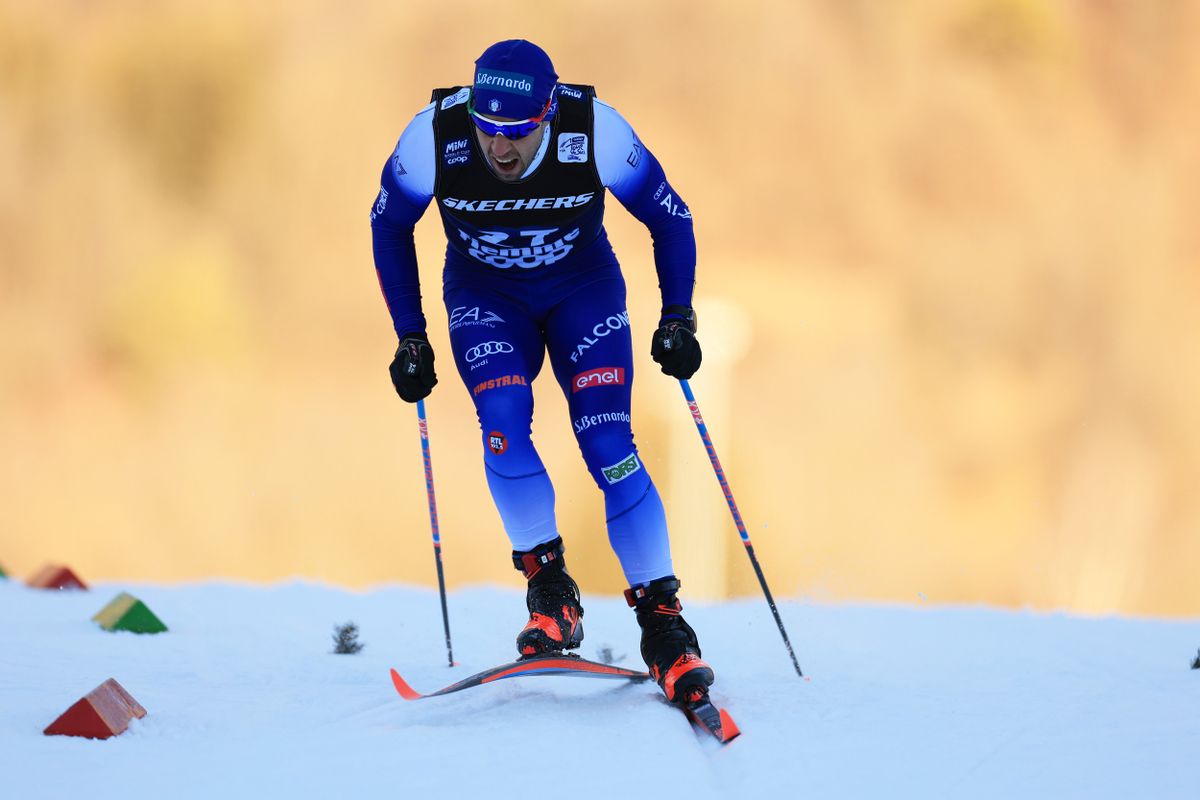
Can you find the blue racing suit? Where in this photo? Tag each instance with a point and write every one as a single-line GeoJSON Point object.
{"type": "Point", "coordinates": [529, 271]}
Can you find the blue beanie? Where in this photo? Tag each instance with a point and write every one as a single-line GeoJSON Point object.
{"type": "Point", "coordinates": [513, 79]}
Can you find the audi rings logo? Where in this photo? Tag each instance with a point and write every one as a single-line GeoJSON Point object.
{"type": "Point", "coordinates": [488, 349]}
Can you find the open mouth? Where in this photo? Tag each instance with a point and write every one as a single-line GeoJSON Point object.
{"type": "Point", "coordinates": [506, 166]}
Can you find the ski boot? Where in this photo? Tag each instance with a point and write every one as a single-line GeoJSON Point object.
{"type": "Point", "coordinates": [555, 615]}
{"type": "Point", "coordinates": [669, 645]}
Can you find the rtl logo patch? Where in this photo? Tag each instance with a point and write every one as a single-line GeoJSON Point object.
{"type": "Point", "coordinates": [604, 376]}
{"type": "Point", "coordinates": [497, 443]}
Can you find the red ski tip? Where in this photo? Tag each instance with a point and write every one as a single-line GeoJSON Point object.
{"type": "Point", "coordinates": [729, 729]}
{"type": "Point", "coordinates": [403, 688]}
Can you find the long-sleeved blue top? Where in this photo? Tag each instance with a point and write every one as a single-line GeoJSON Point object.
{"type": "Point", "coordinates": [625, 166]}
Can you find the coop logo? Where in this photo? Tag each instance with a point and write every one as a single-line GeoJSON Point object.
{"type": "Point", "coordinates": [380, 204]}
{"type": "Point", "coordinates": [464, 317]}
{"type": "Point", "coordinates": [604, 376]}
{"type": "Point", "coordinates": [601, 329]}
{"type": "Point", "coordinates": [457, 152]}
{"type": "Point", "coordinates": [513, 82]}
{"type": "Point", "coordinates": [622, 469]}
{"type": "Point", "coordinates": [487, 349]}
{"type": "Point", "coordinates": [497, 248]}
{"type": "Point", "coordinates": [569, 92]}
{"type": "Point", "coordinates": [572, 148]}
{"type": "Point", "coordinates": [497, 443]}
{"type": "Point", "coordinates": [496, 383]}
{"type": "Point", "coordinates": [522, 204]}
{"type": "Point", "coordinates": [461, 96]}
{"type": "Point", "coordinates": [583, 423]}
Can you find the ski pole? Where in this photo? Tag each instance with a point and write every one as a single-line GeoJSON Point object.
{"type": "Point", "coordinates": [433, 523]}
{"type": "Point", "coordinates": [737, 517]}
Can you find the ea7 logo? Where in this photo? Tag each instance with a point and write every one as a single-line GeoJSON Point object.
{"type": "Point", "coordinates": [605, 376]}
{"type": "Point", "coordinates": [462, 315]}
{"type": "Point", "coordinates": [572, 148]}
{"type": "Point", "coordinates": [622, 469]}
{"type": "Point", "coordinates": [635, 155]}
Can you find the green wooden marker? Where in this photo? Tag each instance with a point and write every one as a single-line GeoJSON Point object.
{"type": "Point", "coordinates": [127, 613]}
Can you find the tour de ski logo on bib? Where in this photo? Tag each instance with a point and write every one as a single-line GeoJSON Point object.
{"type": "Point", "coordinates": [462, 96]}
{"type": "Point", "coordinates": [572, 148]}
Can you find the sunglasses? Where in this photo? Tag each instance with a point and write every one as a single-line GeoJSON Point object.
{"type": "Point", "coordinates": [510, 130]}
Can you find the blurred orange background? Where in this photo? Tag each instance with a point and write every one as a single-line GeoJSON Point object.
{"type": "Point", "coordinates": [949, 270]}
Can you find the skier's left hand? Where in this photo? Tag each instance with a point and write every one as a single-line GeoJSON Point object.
{"type": "Point", "coordinates": [675, 348]}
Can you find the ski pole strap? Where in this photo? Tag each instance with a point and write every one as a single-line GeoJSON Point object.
{"type": "Point", "coordinates": [531, 563]}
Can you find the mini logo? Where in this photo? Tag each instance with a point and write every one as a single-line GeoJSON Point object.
{"type": "Point", "coordinates": [497, 443]}
{"type": "Point", "coordinates": [569, 92]}
{"type": "Point", "coordinates": [457, 152]}
{"type": "Point", "coordinates": [494, 105]}
{"type": "Point", "coordinates": [622, 469]}
{"type": "Point", "coordinates": [572, 148]}
{"type": "Point", "coordinates": [604, 376]}
{"type": "Point", "coordinates": [460, 96]}
{"type": "Point", "coordinates": [487, 349]}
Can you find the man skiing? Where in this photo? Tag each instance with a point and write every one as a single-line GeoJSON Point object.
{"type": "Point", "coordinates": [519, 163]}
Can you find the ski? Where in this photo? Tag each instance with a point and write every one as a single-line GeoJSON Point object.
{"type": "Point", "coordinates": [706, 717]}
{"type": "Point", "coordinates": [536, 665]}
{"type": "Point", "coordinates": [712, 720]}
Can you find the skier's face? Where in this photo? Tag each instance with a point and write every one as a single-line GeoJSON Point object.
{"type": "Point", "coordinates": [509, 158]}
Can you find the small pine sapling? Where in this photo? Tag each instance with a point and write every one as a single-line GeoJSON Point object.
{"type": "Point", "coordinates": [345, 639]}
{"type": "Point", "coordinates": [605, 655]}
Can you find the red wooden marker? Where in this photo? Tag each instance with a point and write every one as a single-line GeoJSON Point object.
{"type": "Point", "coordinates": [103, 712]}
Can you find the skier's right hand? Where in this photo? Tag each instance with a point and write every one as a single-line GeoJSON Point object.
{"type": "Point", "coordinates": [412, 368]}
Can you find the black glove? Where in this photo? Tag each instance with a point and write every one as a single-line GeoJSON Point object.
{"type": "Point", "coordinates": [412, 368]}
{"type": "Point", "coordinates": [675, 347]}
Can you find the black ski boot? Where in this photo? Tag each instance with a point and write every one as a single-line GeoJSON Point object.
{"type": "Point", "coordinates": [669, 645]}
{"type": "Point", "coordinates": [555, 615]}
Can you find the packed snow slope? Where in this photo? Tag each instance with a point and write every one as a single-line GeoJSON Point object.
{"type": "Point", "coordinates": [246, 700]}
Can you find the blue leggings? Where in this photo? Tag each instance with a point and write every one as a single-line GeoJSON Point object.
{"type": "Point", "coordinates": [499, 342]}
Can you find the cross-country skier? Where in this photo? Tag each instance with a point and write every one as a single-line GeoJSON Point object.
{"type": "Point", "coordinates": [519, 163]}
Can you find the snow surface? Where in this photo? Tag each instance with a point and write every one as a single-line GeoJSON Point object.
{"type": "Point", "coordinates": [246, 700]}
